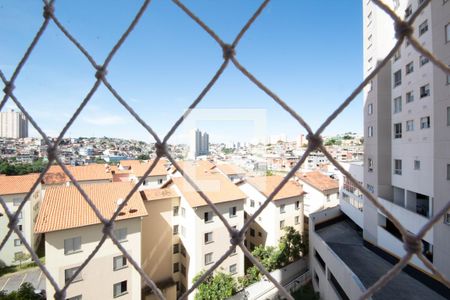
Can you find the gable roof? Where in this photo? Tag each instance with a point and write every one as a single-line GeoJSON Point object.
{"type": "Point", "coordinates": [56, 175]}
{"type": "Point", "coordinates": [64, 207]}
{"type": "Point", "coordinates": [157, 194]}
{"type": "Point", "coordinates": [318, 180]}
{"type": "Point", "coordinates": [138, 168]}
{"type": "Point", "coordinates": [10, 185]}
{"type": "Point", "coordinates": [230, 169]}
{"type": "Point", "coordinates": [266, 184]}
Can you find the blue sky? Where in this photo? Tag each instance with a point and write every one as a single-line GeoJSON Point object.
{"type": "Point", "coordinates": [308, 52]}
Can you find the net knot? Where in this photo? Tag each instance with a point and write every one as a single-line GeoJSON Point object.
{"type": "Point", "coordinates": [52, 153]}
{"type": "Point", "coordinates": [13, 221]}
{"type": "Point", "coordinates": [314, 141]}
{"type": "Point", "coordinates": [403, 29]}
{"type": "Point", "coordinates": [108, 227]}
{"type": "Point", "coordinates": [411, 244]}
{"type": "Point", "coordinates": [101, 72]}
{"type": "Point", "coordinates": [49, 9]}
{"type": "Point", "coordinates": [236, 237]}
{"type": "Point", "coordinates": [60, 295]}
{"type": "Point", "coordinates": [161, 149]}
{"type": "Point", "coordinates": [9, 87]}
{"type": "Point", "coordinates": [228, 51]}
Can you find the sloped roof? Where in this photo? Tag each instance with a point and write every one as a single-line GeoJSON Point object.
{"type": "Point", "coordinates": [266, 184]}
{"type": "Point", "coordinates": [21, 184]}
{"type": "Point", "coordinates": [64, 207]}
{"type": "Point", "coordinates": [157, 194]}
{"type": "Point", "coordinates": [318, 180]}
{"type": "Point", "coordinates": [138, 168]}
{"type": "Point", "coordinates": [56, 175]}
{"type": "Point", "coordinates": [230, 169]}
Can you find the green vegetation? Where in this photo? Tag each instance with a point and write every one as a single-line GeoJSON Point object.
{"type": "Point", "coordinates": [9, 168]}
{"type": "Point", "coordinates": [333, 141]}
{"type": "Point", "coordinates": [306, 292]}
{"type": "Point", "coordinates": [219, 286]}
{"type": "Point", "coordinates": [269, 173]}
{"type": "Point", "coordinates": [25, 292]}
{"type": "Point", "coordinates": [13, 269]}
{"type": "Point", "coordinates": [227, 151]}
{"type": "Point", "coordinates": [143, 157]}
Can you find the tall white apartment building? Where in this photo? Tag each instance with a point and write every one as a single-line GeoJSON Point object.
{"type": "Point", "coordinates": [199, 144]}
{"type": "Point", "coordinates": [407, 130]}
{"type": "Point", "coordinates": [13, 124]}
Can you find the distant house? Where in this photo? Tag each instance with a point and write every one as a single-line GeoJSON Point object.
{"type": "Point", "coordinates": [13, 190]}
{"type": "Point", "coordinates": [70, 239]}
{"type": "Point", "coordinates": [136, 170]}
{"type": "Point", "coordinates": [92, 173]}
{"type": "Point", "coordinates": [233, 172]}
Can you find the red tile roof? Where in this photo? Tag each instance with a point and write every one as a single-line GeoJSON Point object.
{"type": "Point", "coordinates": [266, 184]}
{"type": "Point", "coordinates": [10, 185]}
{"type": "Point", "coordinates": [318, 180]}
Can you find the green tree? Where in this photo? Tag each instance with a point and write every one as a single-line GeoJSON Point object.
{"type": "Point", "coordinates": [252, 275]}
{"type": "Point", "coordinates": [143, 157]}
{"type": "Point", "coordinates": [291, 246]}
{"type": "Point", "coordinates": [25, 292]}
{"type": "Point", "coordinates": [217, 286]}
{"type": "Point", "coordinates": [21, 257]}
{"type": "Point", "coordinates": [269, 173]}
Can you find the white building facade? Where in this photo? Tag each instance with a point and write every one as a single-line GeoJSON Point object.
{"type": "Point", "coordinates": [13, 124]}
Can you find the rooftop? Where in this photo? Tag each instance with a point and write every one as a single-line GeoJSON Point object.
{"type": "Point", "coordinates": [56, 175]}
{"type": "Point", "coordinates": [318, 180]}
{"type": "Point", "coordinates": [157, 194]}
{"type": "Point", "coordinates": [10, 185]}
{"type": "Point", "coordinates": [266, 184]}
{"type": "Point", "coordinates": [68, 202]}
{"type": "Point", "coordinates": [230, 169]}
{"type": "Point", "coordinates": [138, 168]}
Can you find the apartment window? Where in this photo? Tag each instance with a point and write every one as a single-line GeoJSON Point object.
{"type": "Point", "coordinates": [183, 230]}
{"type": "Point", "coordinates": [68, 273]}
{"type": "Point", "coordinates": [416, 164]}
{"type": "Point", "coordinates": [409, 68]}
{"type": "Point", "coordinates": [423, 27]}
{"type": "Point", "coordinates": [447, 218]}
{"type": "Point", "coordinates": [259, 234]}
{"type": "Point", "coordinates": [176, 248]}
{"type": "Point", "coordinates": [183, 212]}
{"type": "Point", "coordinates": [448, 77]}
{"type": "Point", "coordinates": [370, 188]}
{"type": "Point", "coordinates": [425, 91]}
{"type": "Point", "coordinates": [409, 96]}
{"type": "Point", "coordinates": [175, 229]}
{"type": "Point", "coordinates": [370, 165]}
{"type": "Point", "coordinates": [397, 78]}
{"type": "Point", "coordinates": [233, 212]}
{"type": "Point", "coordinates": [252, 232]}
{"type": "Point", "coordinates": [282, 209]}
{"type": "Point", "coordinates": [252, 203]}
{"type": "Point", "coordinates": [319, 259]}
{"type": "Point", "coordinates": [448, 171]}
{"type": "Point", "coordinates": [425, 123]}
{"type": "Point", "coordinates": [208, 237]}
{"type": "Point", "coordinates": [182, 250]}
{"type": "Point", "coordinates": [297, 204]}
{"type": "Point", "coordinates": [397, 105]}
{"type": "Point", "coordinates": [370, 109]}
{"type": "Point", "coordinates": [398, 166]}
{"type": "Point", "coordinates": [370, 85]}
{"type": "Point", "coordinates": [175, 210]}
{"type": "Point", "coordinates": [397, 55]}
{"type": "Point", "coordinates": [423, 60]}
{"type": "Point", "coordinates": [17, 201]}
{"type": "Point", "coordinates": [17, 242]}
{"type": "Point", "coordinates": [398, 130]}
{"type": "Point", "coordinates": [447, 33]}
{"type": "Point", "coordinates": [120, 288]}
{"type": "Point", "coordinates": [370, 131]}
{"type": "Point", "coordinates": [208, 216]}
{"type": "Point", "coordinates": [19, 216]}
{"type": "Point", "coordinates": [72, 245]}
{"type": "Point", "coordinates": [233, 269]}
{"type": "Point", "coordinates": [448, 115]}
{"type": "Point", "coordinates": [176, 267]}
{"type": "Point", "coordinates": [410, 125]}
{"type": "Point", "coordinates": [160, 181]}
{"type": "Point", "coordinates": [408, 11]}
{"type": "Point", "coordinates": [183, 270]}
{"type": "Point", "coordinates": [208, 258]}
{"type": "Point", "coordinates": [78, 297]}
{"type": "Point", "coordinates": [281, 224]}
{"type": "Point", "coordinates": [296, 220]}
{"type": "Point", "coordinates": [120, 262]}
{"type": "Point", "coordinates": [19, 227]}
{"type": "Point", "coordinates": [121, 234]}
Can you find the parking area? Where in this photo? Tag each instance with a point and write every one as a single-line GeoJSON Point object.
{"type": "Point", "coordinates": [12, 282]}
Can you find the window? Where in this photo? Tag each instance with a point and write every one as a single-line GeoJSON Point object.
{"type": "Point", "coordinates": [175, 229]}
{"type": "Point", "coordinates": [417, 165]}
{"type": "Point", "coordinates": [183, 212]}
{"type": "Point", "coordinates": [252, 246]}
{"type": "Point", "coordinates": [409, 97]}
{"type": "Point", "coordinates": [182, 250]}
{"type": "Point", "coordinates": [175, 211]}
{"type": "Point", "coordinates": [370, 131]}
{"type": "Point", "coordinates": [297, 204]}
{"type": "Point", "coordinates": [448, 171]}
{"type": "Point", "coordinates": [17, 242]}
{"type": "Point", "coordinates": [281, 224]}
{"type": "Point", "coordinates": [447, 218]}
{"type": "Point", "coordinates": [397, 105]}
{"type": "Point", "coordinates": [398, 166]}
{"type": "Point", "coordinates": [259, 234]}
{"type": "Point", "coordinates": [176, 267]}
{"type": "Point", "coordinates": [208, 216]}
{"type": "Point", "coordinates": [448, 115]}
{"type": "Point", "coordinates": [252, 203]}
{"type": "Point", "coordinates": [121, 234]}
{"type": "Point", "coordinates": [370, 109]}
{"type": "Point", "coordinates": [397, 130]}
{"type": "Point", "coordinates": [232, 211]}
{"type": "Point", "coordinates": [183, 230]}
{"type": "Point", "coordinates": [19, 216]}
{"type": "Point", "coordinates": [68, 273]}
{"type": "Point", "coordinates": [17, 201]}
{"type": "Point", "coordinates": [424, 122]}
{"type": "Point", "coordinates": [370, 188]}
{"type": "Point", "coordinates": [371, 85]}
{"type": "Point", "coordinates": [208, 237]}
{"type": "Point", "coordinates": [425, 91]}
{"type": "Point", "coordinates": [208, 258]}
{"type": "Point", "coordinates": [296, 220]}
{"type": "Point", "coordinates": [370, 165]}
{"type": "Point", "coordinates": [448, 77]}
{"type": "Point", "coordinates": [183, 269]}
{"type": "Point", "coordinates": [423, 60]}
{"type": "Point", "coordinates": [160, 181]}
{"type": "Point", "coordinates": [19, 227]}
{"type": "Point", "coordinates": [423, 27]}
{"type": "Point", "coordinates": [252, 232]}
{"type": "Point", "coordinates": [397, 78]}
{"type": "Point", "coordinates": [409, 68]}
{"type": "Point", "coordinates": [447, 33]}
{"type": "Point", "coordinates": [233, 269]}
{"type": "Point", "coordinates": [72, 245]}
{"type": "Point", "coordinates": [408, 11]}
{"type": "Point", "coordinates": [410, 125]}
{"type": "Point", "coordinates": [176, 248]}
{"type": "Point", "coordinates": [282, 209]}
{"type": "Point", "coordinates": [397, 55]}
{"type": "Point", "coordinates": [78, 297]}
{"type": "Point", "coordinates": [119, 262]}
{"type": "Point", "coordinates": [120, 288]}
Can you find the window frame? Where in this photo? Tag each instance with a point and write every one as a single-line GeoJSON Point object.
{"type": "Point", "coordinates": [74, 250]}
{"type": "Point", "coordinates": [409, 97]}
{"type": "Point", "coordinates": [426, 124]}
{"type": "Point", "coordinates": [398, 131]}
{"type": "Point", "coordinates": [123, 264]}
{"type": "Point", "coordinates": [409, 125]}
{"type": "Point", "coordinates": [397, 104]}
{"type": "Point", "coordinates": [208, 237]}
{"type": "Point", "coordinates": [208, 217]}
{"type": "Point", "coordinates": [425, 91]}
{"type": "Point", "coordinates": [398, 167]}
{"type": "Point", "coordinates": [416, 164]}
{"type": "Point", "coordinates": [397, 81]}
{"type": "Point", "coordinates": [232, 211]}
{"type": "Point", "coordinates": [409, 68]}
{"type": "Point", "coordinates": [208, 258]}
{"type": "Point", "coordinates": [121, 293]}
{"type": "Point", "coordinates": [233, 266]}
{"type": "Point", "coordinates": [68, 273]}
{"type": "Point", "coordinates": [121, 234]}
{"type": "Point", "coordinates": [423, 27]}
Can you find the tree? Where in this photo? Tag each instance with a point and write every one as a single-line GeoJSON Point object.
{"type": "Point", "coordinates": [269, 173]}
{"type": "Point", "coordinates": [252, 275]}
{"type": "Point", "coordinates": [291, 246]}
{"type": "Point", "coordinates": [25, 292]}
{"type": "Point", "coordinates": [143, 157]}
{"type": "Point", "coordinates": [217, 286]}
{"type": "Point", "coordinates": [20, 257]}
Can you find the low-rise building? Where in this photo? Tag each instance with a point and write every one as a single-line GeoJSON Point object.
{"type": "Point", "coordinates": [92, 173]}
{"type": "Point", "coordinates": [136, 170]}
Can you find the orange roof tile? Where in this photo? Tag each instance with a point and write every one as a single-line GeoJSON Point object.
{"type": "Point", "coordinates": [63, 207]}
{"type": "Point", "coordinates": [56, 175]}
{"type": "Point", "coordinates": [230, 169]}
{"type": "Point", "coordinates": [156, 194]}
{"type": "Point", "coordinates": [138, 168]}
{"type": "Point", "coordinates": [266, 184]}
{"type": "Point", "coordinates": [318, 180]}
{"type": "Point", "coordinates": [195, 167]}
{"type": "Point", "coordinates": [10, 185]}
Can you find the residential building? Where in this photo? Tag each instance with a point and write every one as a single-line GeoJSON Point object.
{"type": "Point", "coordinates": [199, 144]}
{"type": "Point", "coordinates": [13, 124]}
{"type": "Point", "coordinates": [233, 172]}
{"type": "Point", "coordinates": [70, 240]}
{"type": "Point", "coordinates": [135, 169]}
{"type": "Point", "coordinates": [351, 200]}
{"type": "Point", "coordinates": [92, 173]}
{"type": "Point", "coordinates": [13, 190]}
{"type": "Point", "coordinates": [286, 209]}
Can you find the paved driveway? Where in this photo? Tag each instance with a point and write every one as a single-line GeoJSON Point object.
{"type": "Point", "coordinates": [12, 282]}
